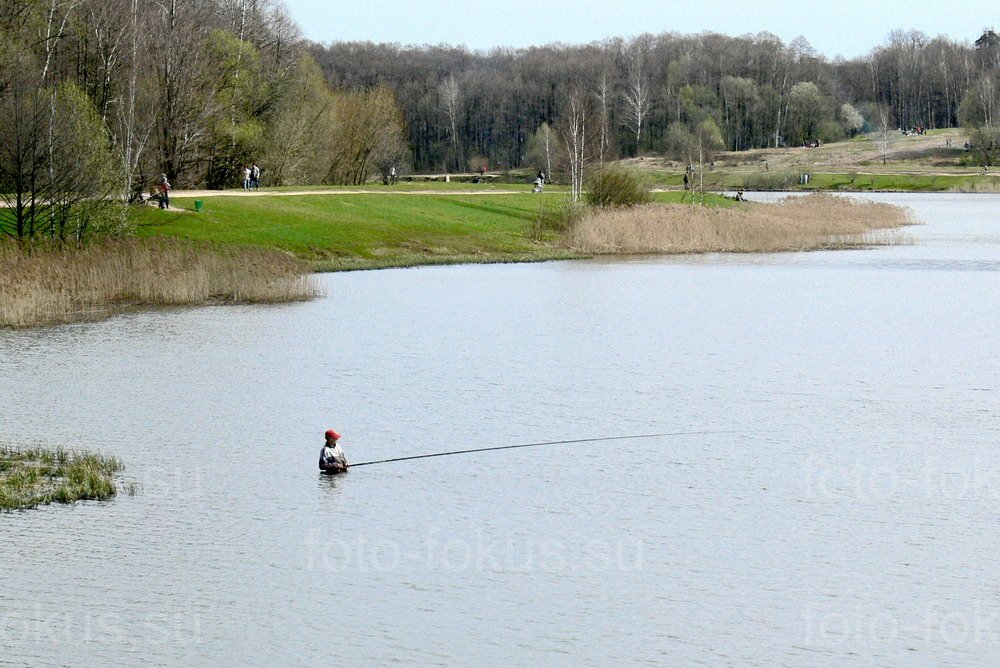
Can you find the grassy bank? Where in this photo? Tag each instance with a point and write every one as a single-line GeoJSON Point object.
{"type": "Point", "coordinates": [36, 476]}
{"type": "Point", "coordinates": [795, 224]}
{"type": "Point", "coordinates": [370, 231]}
{"type": "Point", "coordinates": [57, 284]}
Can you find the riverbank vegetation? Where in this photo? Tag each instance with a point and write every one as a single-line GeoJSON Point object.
{"type": "Point", "coordinates": [36, 476]}
{"type": "Point", "coordinates": [812, 222]}
{"type": "Point", "coordinates": [371, 231]}
{"type": "Point", "coordinates": [50, 284]}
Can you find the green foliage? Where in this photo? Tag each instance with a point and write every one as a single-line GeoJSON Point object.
{"type": "Point", "coordinates": [87, 172]}
{"type": "Point", "coordinates": [770, 181]}
{"type": "Point", "coordinates": [238, 133]}
{"type": "Point", "coordinates": [556, 219]}
{"type": "Point", "coordinates": [698, 103]}
{"type": "Point", "coordinates": [981, 103]}
{"type": "Point", "coordinates": [616, 186]}
{"type": "Point", "coordinates": [544, 150]}
{"type": "Point", "coordinates": [985, 144]}
{"type": "Point", "coordinates": [37, 476]}
{"type": "Point", "coordinates": [681, 144]}
{"type": "Point", "coordinates": [299, 141]}
{"type": "Point", "coordinates": [851, 119]}
{"type": "Point", "coordinates": [808, 110]}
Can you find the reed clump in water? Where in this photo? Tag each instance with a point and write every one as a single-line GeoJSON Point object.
{"type": "Point", "coordinates": [53, 284]}
{"type": "Point", "coordinates": [38, 476]}
{"type": "Point", "coordinates": [813, 222]}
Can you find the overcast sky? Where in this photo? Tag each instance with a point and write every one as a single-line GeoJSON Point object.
{"type": "Point", "coordinates": [846, 27]}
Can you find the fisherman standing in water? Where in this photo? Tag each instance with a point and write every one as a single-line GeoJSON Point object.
{"type": "Point", "coordinates": [331, 457]}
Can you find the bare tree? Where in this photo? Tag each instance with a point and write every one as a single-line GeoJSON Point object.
{"type": "Point", "coordinates": [604, 96]}
{"type": "Point", "coordinates": [574, 134]}
{"type": "Point", "coordinates": [636, 94]}
{"type": "Point", "coordinates": [450, 95]}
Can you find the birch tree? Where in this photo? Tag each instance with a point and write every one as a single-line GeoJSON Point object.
{"type": "Point", "coordinates": [636, 95]}
{"type": "Point", "coordinates": [450, 96]}
{"type": "Point", "coordinates": [574, 135]}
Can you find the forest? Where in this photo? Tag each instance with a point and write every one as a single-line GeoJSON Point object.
{"type": "Point", "coordinates": [669, 94]}
{"type": "Point", "coordinates": [98, 98]}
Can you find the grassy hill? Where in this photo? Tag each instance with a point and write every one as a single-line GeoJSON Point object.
{"type": "Point", "coordinates": [935, 161]}
{"type": "Point", "coordinates": [372, 230]}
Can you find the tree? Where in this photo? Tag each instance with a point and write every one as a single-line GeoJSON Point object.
{"type": "Point", "coordinates": [709, 139]}
{"type": "Point", "coordinates": [369, 127]}
{"type": "Point", "coordinates": [543, 147]}
{"type": "Point", "coordinates": [807, 109]}
{"type": "Point", "coordinates": [574, 136]}
{"type": "Point", "coordinates": [302, 129]}
{"type": "Point", "coordinates": [57, 171]}
{"type": "Point", "coordinates": [681, 143]}
{"type": "Point", "coordinates": [450, 95]}
{"type": "Point", "coordinates": [235, 136]}
{"type": "Point", "coordinates": [636, 95]}
{"type": "Point", "coordinates": [851, 119]}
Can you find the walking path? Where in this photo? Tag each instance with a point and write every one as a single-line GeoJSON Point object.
{"type": "Point", "coordinates": [339, 191]}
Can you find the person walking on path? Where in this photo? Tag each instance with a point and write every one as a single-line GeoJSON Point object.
{"type": "Point", "coordinates": [164, 192]}
{"type": "Point", "coordinates": [331, 457]}
{"type": "Point", "coordinates": [255, 177]}
{"type": "Point", "coordinates": [246, 177]}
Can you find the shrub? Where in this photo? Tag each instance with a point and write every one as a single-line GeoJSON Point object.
{"type": "Point", "coordinates": [617, 187]}
{"type": "Point", "coordinates": [770, 181]}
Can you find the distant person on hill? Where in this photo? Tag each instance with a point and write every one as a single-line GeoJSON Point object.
{"type": "Point", "coordinates": [164, 192]}
{"type": "Point", "coordinates": [331, 457]}
{"type": "Point", "coordinates": [255, 177]}
{"type": "Point", "coordinates": [392, 175]}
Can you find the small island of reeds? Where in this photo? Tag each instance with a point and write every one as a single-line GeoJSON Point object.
{"type": "Point", "coordinates": [36, 476]}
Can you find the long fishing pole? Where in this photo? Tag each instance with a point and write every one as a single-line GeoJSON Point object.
{"type": "Point", "coordinates": [535, 445]}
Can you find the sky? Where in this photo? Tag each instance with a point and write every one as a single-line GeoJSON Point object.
{"type": "Point", "coordinates": [839, 27]}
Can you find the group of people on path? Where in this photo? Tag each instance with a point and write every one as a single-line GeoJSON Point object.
{"type": "Point", "coordinates": [251, 177]}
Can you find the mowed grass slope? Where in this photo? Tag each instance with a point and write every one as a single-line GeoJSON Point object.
{"type": "Point", "coordinates": [362, 231]}
{"type": "Point", "coordinates": [352, 231]}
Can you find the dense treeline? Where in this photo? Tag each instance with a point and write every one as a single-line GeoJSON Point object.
{"type": "Point", "coordinates": [679, 94]}
{"type": "Point", "coordinates": [98, 98]}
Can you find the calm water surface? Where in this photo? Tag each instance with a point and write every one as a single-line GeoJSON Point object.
{"type": "Point", "coordinates": [852, 517]}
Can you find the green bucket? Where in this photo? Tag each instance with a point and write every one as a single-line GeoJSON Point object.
{"type": "Point", "coordinates": [198, 204]}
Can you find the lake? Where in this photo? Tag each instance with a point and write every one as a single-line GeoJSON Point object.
{"type": "Point", "coordinates": [849, 516]}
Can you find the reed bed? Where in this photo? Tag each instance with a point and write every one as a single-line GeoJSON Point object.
{"type": "Point", "coordinates": [38, 476]}
{"type": "Point", "coordinates": [812, 222]}
{"type": "Point", "coordinates": [51, 285]}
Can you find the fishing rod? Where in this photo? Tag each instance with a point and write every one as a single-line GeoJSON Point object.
{"type": "Point", "coordinates": [535, 445]}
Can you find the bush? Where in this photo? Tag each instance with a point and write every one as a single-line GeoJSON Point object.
{"type": "Point", "coordinates": [617, 187]}
{"type": "Point", "coordinates": [770, 181]}
{"type": "Point", "coordinates": [558, 220]}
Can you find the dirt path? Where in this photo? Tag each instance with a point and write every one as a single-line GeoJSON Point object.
{"type": "Point", "coordinates": [293, 193]}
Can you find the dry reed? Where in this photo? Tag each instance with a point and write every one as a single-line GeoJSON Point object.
{"type": "Point", "coordinates": [52, 285]}
{"type": "Point", "coordinates": [813, 222]}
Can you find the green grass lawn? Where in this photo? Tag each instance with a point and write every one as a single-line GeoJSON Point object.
{"type": "Point", "coordinates": [375, 230]}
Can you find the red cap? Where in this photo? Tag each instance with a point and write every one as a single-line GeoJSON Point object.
{"type": "Point", "coordinates": [330, 433]}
